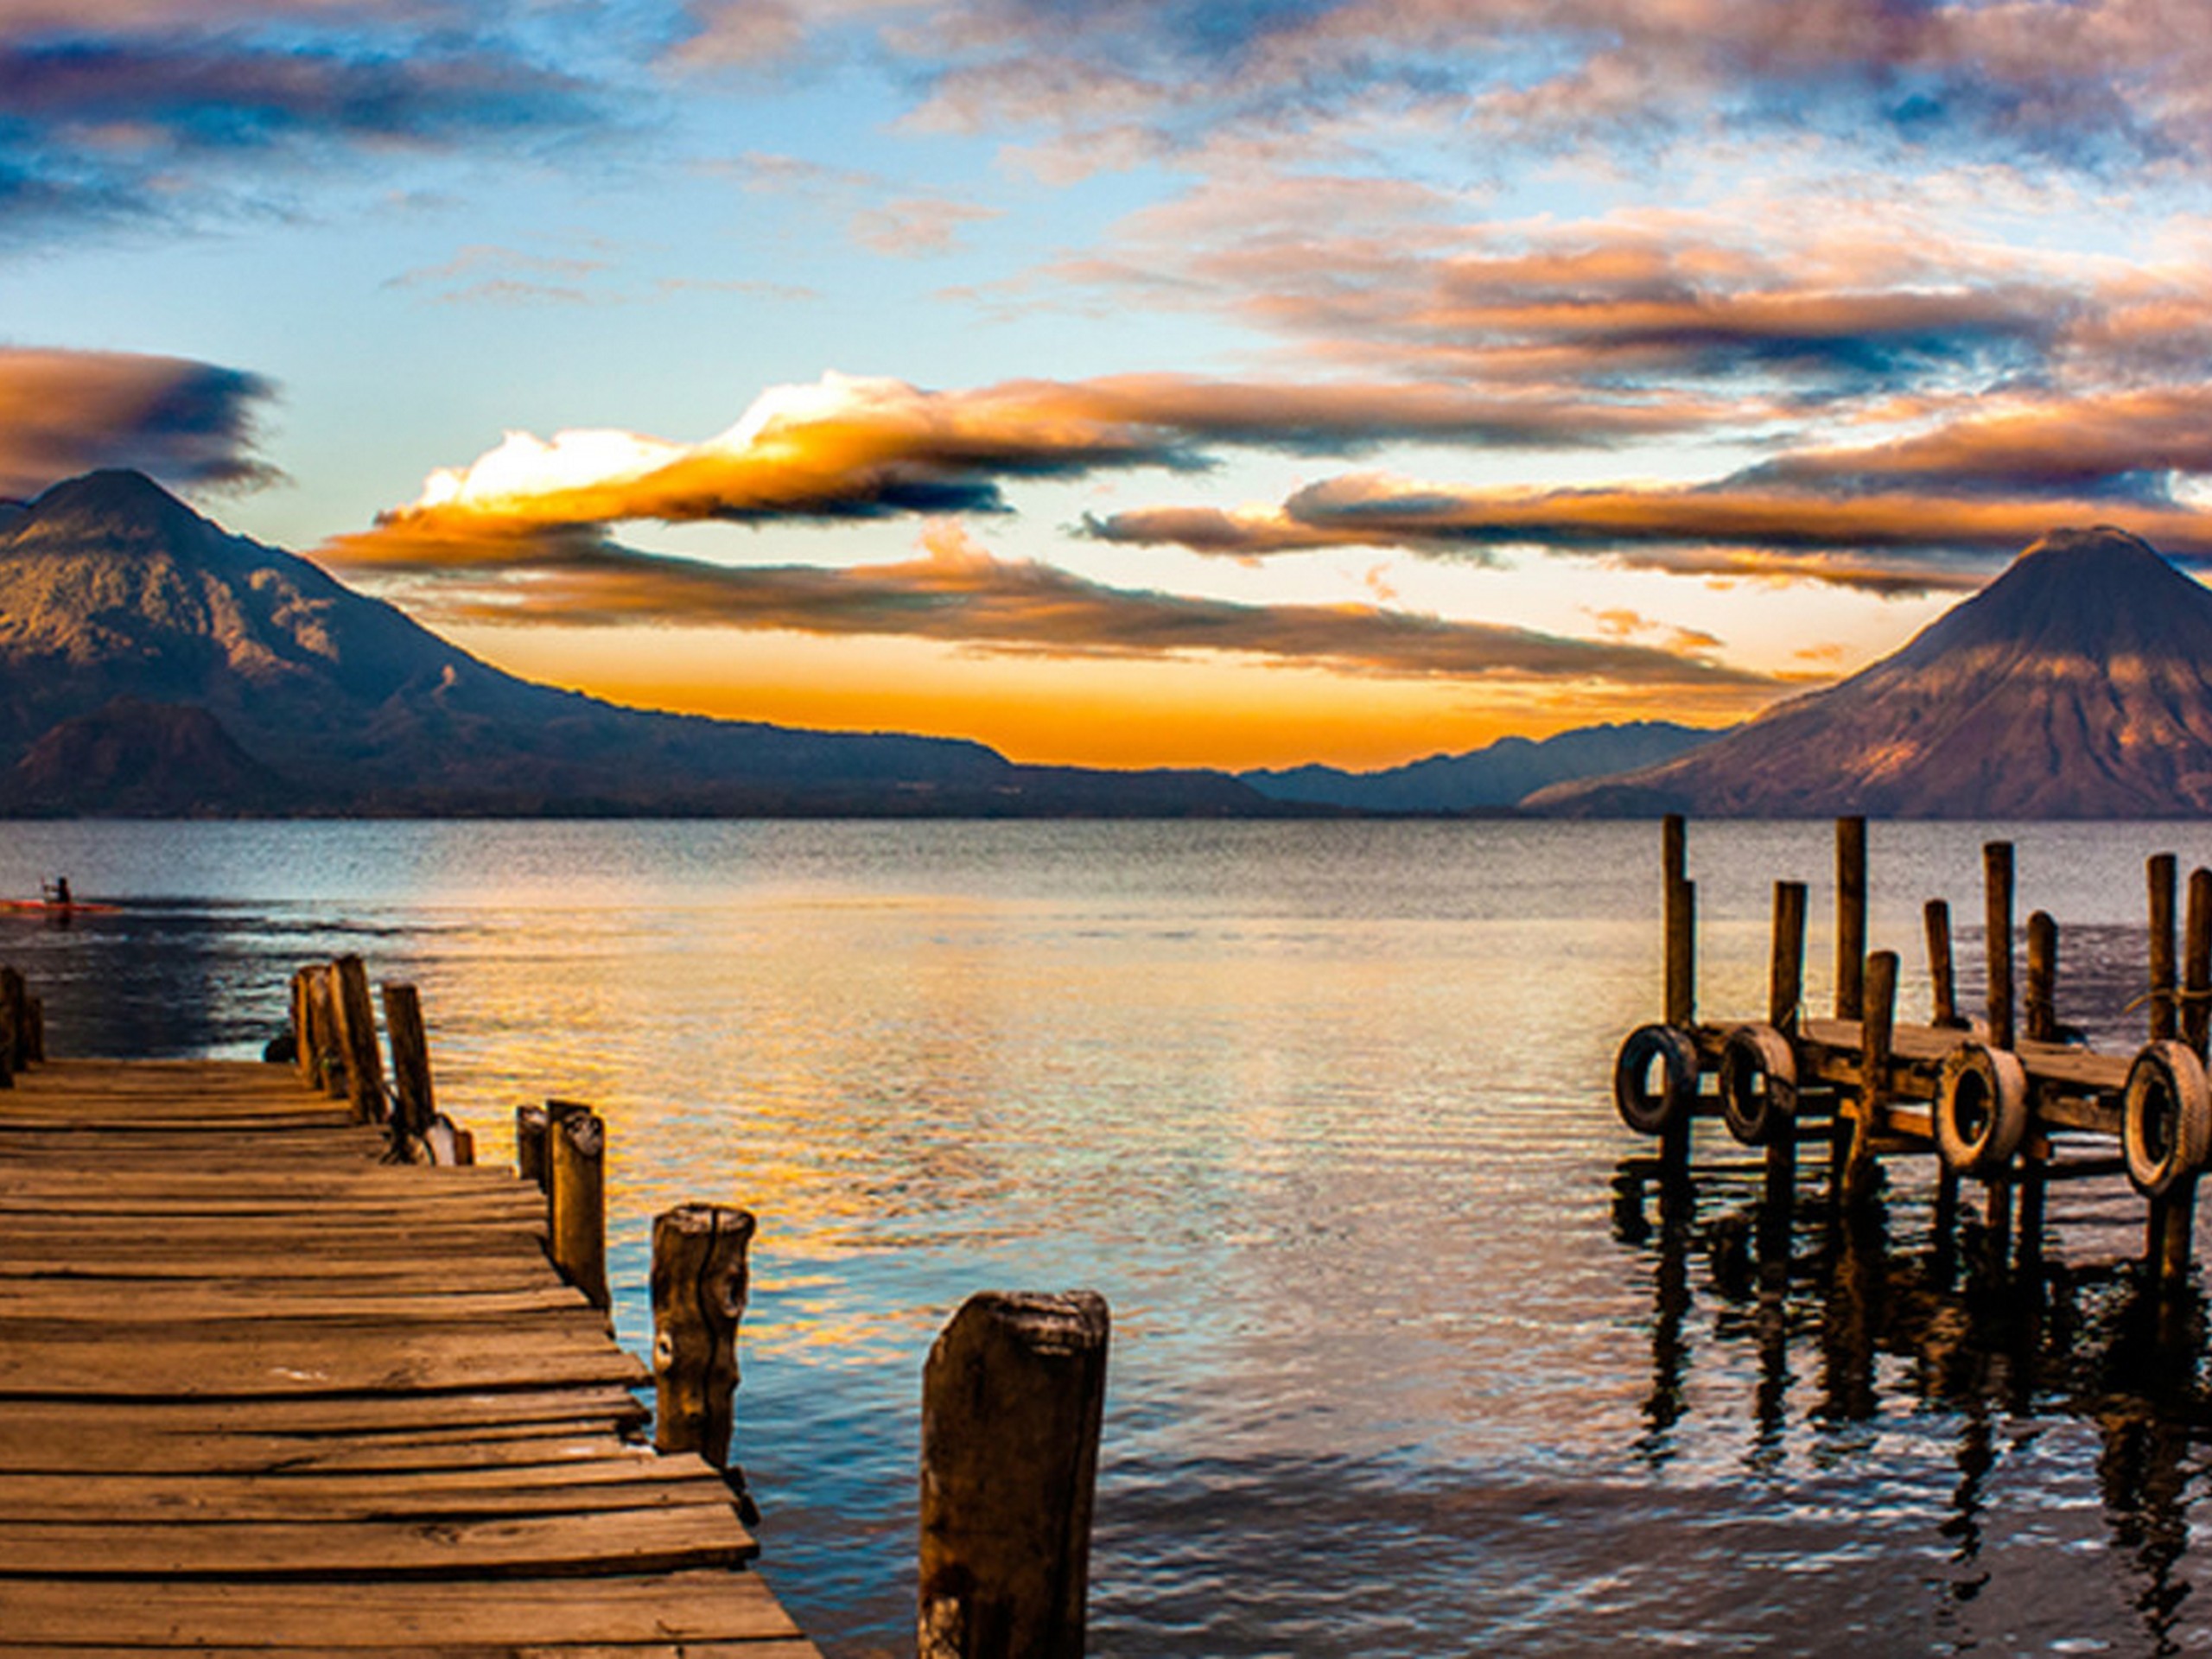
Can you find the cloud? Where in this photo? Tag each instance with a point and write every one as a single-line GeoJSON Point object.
{"type": "Point", "coordinates": [115, 113]}
{"type": "Point", "coordinates": [958, 592]}
{"type": "Point", "coordinates": [916, 226]}
{"type": "Point", "coordinates": [64, 412]}
{"type": "Point", "coordinates": [848, 447]}
{"type": "Point", "coordinates": [1893, 542]}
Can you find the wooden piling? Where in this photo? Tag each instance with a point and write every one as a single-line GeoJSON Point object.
{"type": "Point", "coordinates": [575, 1161]}
{"type": "Point", "coordinates": [530, 1147]}
{"type": "Point", "coordinates": [2170, 1231]}
{"type": "Point", "coordinates": [357, 1025]}
{"type": "Point", "coordinates": [35, 1031]}
{"type": "Point", "coordinates": [1785, 977]}
{"type": "Point", "coordinates": [1850, 918]}
{"type": "Point", "coordinates": [2161, 871]}
{"type": "Point", "coordinates": [2197, 964]}
{"type": "Point", "coordinates": [15, 1015]}
{"type": "Point", "coordinates": [2039, 1005]}
{"type": "Point", "coordinates": [1011, 1401]}
{"type": "Point", "coordinates": [2039, 1023]}
{"type": "Point", "coordinates": [1942, 972]}
{"type": "Point", "coordinates": [1682, 954]}
{"type": "Point", "coordinates": [304, 1036]}
{"type": "Point", "coordinates": [1785, 995]}
{"type": "Point", "coordinates": [1880, 983]}
{"type": "Point", "coordinates": [413, 1106]}
{"type": "Point", "coordinates": [1997, 914]}
{"type": "Point", "coordinates": [699, 1288]}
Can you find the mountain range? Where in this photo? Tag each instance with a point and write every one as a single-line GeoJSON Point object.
{"type": "Point", "coordinates": [1490, 779]}
{"type": "Point", "coordinates": [152, 663]}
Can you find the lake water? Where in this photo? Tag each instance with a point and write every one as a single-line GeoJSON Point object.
{"type": "Point", "coordinates": [1402, 1363]}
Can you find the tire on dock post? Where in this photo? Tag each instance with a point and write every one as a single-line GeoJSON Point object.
{"type": "Point", "coordinates": [1673, 1052]}
{"type": "Point", "coordinates": [2166, 1118]}
{"type": "Point", "coordinates": [1981, 1108]}
{"type": "Point", "coordinates": [1758, 1084]}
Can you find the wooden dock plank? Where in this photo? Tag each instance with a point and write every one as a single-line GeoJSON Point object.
{"type": "Point", "coordinates": [249, 1373]}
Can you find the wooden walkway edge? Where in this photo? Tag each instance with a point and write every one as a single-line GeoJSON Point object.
{"type": "Point", "coordinates": [261, 1393]}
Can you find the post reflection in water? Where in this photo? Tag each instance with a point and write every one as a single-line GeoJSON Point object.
{"type": "Point", "coordinates": [2005, 1351]}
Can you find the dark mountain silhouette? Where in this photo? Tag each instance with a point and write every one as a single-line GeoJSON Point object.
{"type": "Point", "coordinates": [2076, 685]}
{"type": "Point", "coordinates": [118, 602]}
{"type": "Point", "coordinates": [1488, 779]}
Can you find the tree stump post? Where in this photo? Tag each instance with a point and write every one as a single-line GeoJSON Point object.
{"type": "Point", "coordinates": [1011, 1397]}
{"type": "Point", "coordinates": [700, 1282]}
{"type": "Point", "coordinates": [575, 1160]}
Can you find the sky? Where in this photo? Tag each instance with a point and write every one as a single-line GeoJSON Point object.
{"type": "Point", "coordinates": [1128, 384]}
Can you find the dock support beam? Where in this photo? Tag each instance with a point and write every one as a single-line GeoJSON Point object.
{"type": "Point", "coordinates": [412, 1105]}
{"type": "Point", "coordinates": [1011, 1397]}
{"type": "Point", "coordinates": [700, 1283]}
{"type": "Point", "coordinates": [357, 1030]}
{"type": "Point", "coordinates": [2197, 963]}
{"type": "Point", "coordinates": [1857, 1173]}
{"type": "Point", "coordinates": [1997, 926]}
{"type": "Point", "coordinates": [2039, 1018]}
{"type": "Point", "coordinates": [530, 1148]}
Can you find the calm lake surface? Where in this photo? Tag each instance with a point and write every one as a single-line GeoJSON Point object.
{"type": "Point", "coordinates": [1404, 1362]}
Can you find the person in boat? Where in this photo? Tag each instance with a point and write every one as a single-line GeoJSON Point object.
{"type": "Point", "coordinates": [57, 891]}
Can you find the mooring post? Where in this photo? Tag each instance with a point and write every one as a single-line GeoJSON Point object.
{"type": "Point", "coordinates": [1997, 917]}
{"type": "Point", "coordinates": [530, 1147]}
{"type": "Point", "coordinates": [304, 1032]}
{"type": "Point", "coordinates": [2040, 1022]}
{"type": "Point", "coordinates": [1877, 1031]}
{"type": "Point", "coordinates": [35, 1031]}
{"type": "Point", "coordinates": [2197, 963]}
{"type": "Point", "coordinates": [1785, 994]}
{"type": "Point", "coordinates": [1942, 1014]}
{"type": "Point", "coordinates": [699, 1286]}
{"type": "Point", "coordinates": [1942, 971]}
{"type": "Point", "coordinates": [14, 1011]}
{"type": "Point", "coordinates": [413, 1106]}
{"type": "Point", "coordinates": [2164, 878]}
{"type": "Point", "coordinates": [1011, 1397]}
{"type": "Point", "coordinates": [2170, 1232]}
{"type": "Point", "coordinates": [575, 1161]}
{"type": "Point", "coordinates": [357, 1020]}
{"type": "Point", "coordinates": [1850, 918]}
{"type": "Point", "coordinates": [1679, 895]}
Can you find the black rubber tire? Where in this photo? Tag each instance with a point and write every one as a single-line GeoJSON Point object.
{"type": "Point", "coordinates": [1758, 1084]}
{"type": "Point", "coordinates": [1643, 1109]}
{"type": "Point", "coordinates": [1981, 1108]}
{"type": "Point", "coordinates": [2166, 1128]}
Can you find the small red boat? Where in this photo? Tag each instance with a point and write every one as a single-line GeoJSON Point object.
{"type": "Point", "coordinates": [56, 907]}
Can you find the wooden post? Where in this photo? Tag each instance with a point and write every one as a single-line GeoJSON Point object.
{"type": "Point", "coordinates": [413, 1106]}
{"type": "Point", "coordinates": [357, 1022]}
{"type": "Point", "coordinates": [35, 1031]}
{"type": "Point", "coordinates": [575, 1160]}
{"type": "Point", "coordinates": [1011, 1401]}
{"type": "Point", "coordinates": [1997, 913]}
{"type": "Point", "coordinates": [2161, 871]}
{"type": "Point", "coordinates": [1880, 985]}
{"type": "Point", "coordinates": [15, 1015]}
{"type": "Point", "coordinates": [1942, 974]}
{"type": "Point", "coordinates": [2197, 964]}
{"type": "Point", "coordinates": [2039, 1006]}
{"type": "Point", "coordinates": [699, 1286]}
{"type": "Point", "coordinates": [1785, 995]}
{"type": "Point", "coordinates": [1680, 899]}
{"type": "Point", "coordinates": [304, 1036]}
{"type": "Point", "coordinates": [2039, 1020]}
{"type": "Point", "coordinates": [1785, 976]}
{"type": "Point", "coordinates": [1681, 1011]}
{"type": "Point", "coordinates": [330, 1046]}
{"type": "Point", "coordinates": [1850, 918]}
{"type": "Point", "coordinates": [530, 1147]}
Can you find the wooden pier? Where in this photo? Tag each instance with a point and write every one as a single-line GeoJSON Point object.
{"type": "Point", "coordinates": [1997, 1097]}
{"type": "Point", "coordinates": [263, 1390]}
